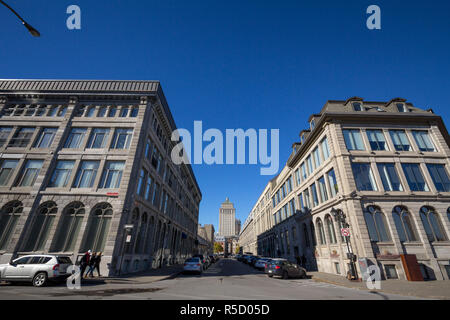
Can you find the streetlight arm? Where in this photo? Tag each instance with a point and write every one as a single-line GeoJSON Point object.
{"type": "Point", "coordinates": [32, 30]}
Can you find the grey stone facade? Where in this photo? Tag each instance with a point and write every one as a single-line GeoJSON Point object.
{"type": "Point", "coordinates": [140, 210]}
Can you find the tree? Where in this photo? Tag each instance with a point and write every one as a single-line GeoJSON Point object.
{"type": "Point", "coordinates": [218, 248]}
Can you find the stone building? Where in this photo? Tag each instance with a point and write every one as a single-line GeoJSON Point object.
{"type": "Point", "coordinates": [86, 165]}
{"type": "Point", "coordinates": [385, 166]}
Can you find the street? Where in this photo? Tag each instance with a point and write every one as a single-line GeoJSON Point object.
{"type": "Point", "coordinates": [225, 280]}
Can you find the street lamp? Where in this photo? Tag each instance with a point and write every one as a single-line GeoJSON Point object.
{"type": "Point", "coordinates": [340, 216]}
{"type": "Point", "coordinates": [32, 30]}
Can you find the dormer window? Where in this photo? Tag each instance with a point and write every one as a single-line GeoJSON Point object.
{"type": "Point", "coordinates": [357, 106]}
{"type": "Point", "coordinates": [312, 124]}
{"type": "Point", "coordinates": [401, 107]}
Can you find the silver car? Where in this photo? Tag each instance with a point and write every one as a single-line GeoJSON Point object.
{"type": "Point", "coordinates": [193, 265]}
{"type": "Point", "coordinates": [37, 269]}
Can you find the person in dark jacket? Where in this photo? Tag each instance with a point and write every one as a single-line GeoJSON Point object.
{"type": "Point", "coordinates": [84, 262]}
{"type": "Point", "coordinates": [92, 262]}
{"type": "Point", "coordinates": [98, 259]}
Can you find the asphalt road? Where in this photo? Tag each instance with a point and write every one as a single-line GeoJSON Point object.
{"type": "Point", "coordinates": [226, 280]}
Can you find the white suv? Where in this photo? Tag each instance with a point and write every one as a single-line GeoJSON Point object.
{"type": "Point", "coordinates": [37, 269]}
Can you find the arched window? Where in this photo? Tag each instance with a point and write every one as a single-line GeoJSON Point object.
{"type": "Point", "coordinates": [432, 224]}
{"type": "Point", "coordinates": [376, 223]}
{"type": "Point", "coordinates": [9, 216]}
{"type": "Point", "coordinates": [98, 228]}
{"type": "Point", "coordinates": [41, 226]}
{"type": "Point", "coordinates": [313, 234]}
{"type": "Point", "coordinates": [404, 224]}
{"type": "Point", "coordinates": [306, 235]}
{"type": "Point", "coordinates": [321, 232]}
{"type": "Point", "coordinates": [141, 234]}
{"type": "Point", "coordinates": [69, 227]}
{"type": "Point", "coordinates": [149, 234]}
{"type": "Point", "coordinates": [330, 229]}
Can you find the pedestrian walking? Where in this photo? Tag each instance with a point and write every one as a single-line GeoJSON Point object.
{"type": "Point", "coordinates": [98, 259]}
{"type": "Point", "coordinates": [91, 265]}
{"type": "Point", "coordinates": [84, 262]}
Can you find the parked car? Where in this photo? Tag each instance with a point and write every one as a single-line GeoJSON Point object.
{"type": "Point", "coordinates": [37, 269]}
{"type": "Point", "coordinates": [237, 257]}
{"type": "Point", "coordinates": [285, 269]}
{"type": "Point", "coordinates": [260, 263]}
{"type": "Point", "coordinates": [202, 259]}
{"type": "Point", "coordinates": [253, 260]}
{"type": "Point", "coordinates": [193, 265]}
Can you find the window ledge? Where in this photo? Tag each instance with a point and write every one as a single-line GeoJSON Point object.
{"type": "Point", "coordinates": [440, 243]}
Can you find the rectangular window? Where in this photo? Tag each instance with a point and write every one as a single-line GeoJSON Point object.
{"type": "Point", "coordinates": [46, 137]}
{"type": "Point", "coordinates": [357, 106]}
{"type": "Point", "coordinates": [289, 185]}
{"type": "Point", "coordinates": [155, 197]}
{"type": "Point", "coordinates": [303, 171]}
{"type": "Point", "coordinates": [141, 182]}
{"type": "Point", "coordinates": [353, 139]}
{"type": "Point", "coordinates": [323, 189]}
{"type": "Point", "coordinates": [391, 272]}
{"type": "Point", "coordinates": [317, 159]}
{"type": "Point", "coordinates": [400, 140]}
{"type": "Point", "coordinates": [148, 188]}
{"type": "Point", "coordinates": [284, 212]}
{"type": "Point", "coordinates": [376, 140]}
{"type": "Point", "coordinates": [439, 176]}
{"type": "Point", "coordinates": [21, 138]}
{"type": "Point", "coordinates": [300, 200]}
{"type": "Point", "coordinates": [423, 141]}
{"type": "Point", "coordinates": [112, 175]}
{"type": "Point", "coordinates": [6, 170]}
{"type": "Point", "coordinates": [333, 183]}
{"type": "Point", "coordinates": [310, 165]}
{"type": "Point", "coordinates": [122, 139]}
{"type": "Point", "coordinates": [325, 150]}
{"type": "Point", "coordinates": [98, 138]}
{"type": "Point", "coordinates": [401, 107]}
{"type": "Point", "coordinates": [297, 177]}
{"type": "Point", "coordinates": [292, 206]}
{"type": "Point", "coordinates": [364, 178]}
{"type": "Point", "coordinates": [314, 195]}
{"type": "Point", "coordinates": [414, 177]}
{"type": "Point", "coordinates": [86, 174]}
{"type": "Point", "coordinates": [4, 134]}
{"type": "Point", "coordinates": [148, 149]}
{"type": "Point", "coordinates": [30, 173]}
{"type": "Point", "coordinates": [389, 177]}
{"type": "Point", "coordinates": [75, 138]}
{"type": "Point", "coordinates": [307, 198]}
{"type": "Point", "coordinates": [61, 175]}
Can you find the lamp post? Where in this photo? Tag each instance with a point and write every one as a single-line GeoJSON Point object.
{"type": "Point", "coordinates": [340, 216]}
{"type": "Point", "coordinates": [32, 30]}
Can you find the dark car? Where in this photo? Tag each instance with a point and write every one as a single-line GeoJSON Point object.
{"type": "Point", "coordinates": [284, 269]}
{"type": "Point", "coordinates": [253, 260]}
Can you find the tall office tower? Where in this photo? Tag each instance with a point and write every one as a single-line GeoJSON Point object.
{"type": "Point", "coordinates": [238, 226]}
{"type": "Point", "coordinates": [227, 217]}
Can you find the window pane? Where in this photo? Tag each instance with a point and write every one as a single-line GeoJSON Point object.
{"type": "Point", "coordinates": [371, 226]}
{"type": "Point", "coordinates": [353, 139]}
{"type": "Point", "coordinates": [414, 177]}
{"type": "Point", "coordinates": [86, 174]}
{"type": "Point", "coordinates": [61, 176]}
{"type": "Point", "coordinates": [389, 177]}
{"type": "Point", "coordinates": [6, 171]}
{"type": "Point", "coordinates": [75, 138]}
{"type": "Point", "coordinates": [30, 172]}
{"type": "Point", "coordinates": [4, 134]}
{"type": "Point", "coordinates": [437, 227]}
{"type": "Point", "coordinates": [363, 177]}
{"type": "Point", "coordinates": [423, 141]}
{"type": "Point", "coordinates": [98, 138]}
{"type": "Point", "coordinates": [439, 176]}
{"type": "Point", "coordinates": [427, 226]}
{"type": "Point", "coordinates": [400, 140]}
{"type": "Point", "coordinates": [409, 227]}
{"type": "Point", "coordinates": [376, 139]}
{"type": "Point", "coordinates": [314, 194]}
{"type": "Point", "coordinates": [323, 189]}
{"type": "Point", "coordinates": [399, 227]}
{"type": "Point", "coordinates": [333, 183]}
{"type": "Point", "coordinates": [325, 150]}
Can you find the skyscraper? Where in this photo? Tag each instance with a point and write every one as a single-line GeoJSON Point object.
{"type": "Point", "coordinates": [227, 219]}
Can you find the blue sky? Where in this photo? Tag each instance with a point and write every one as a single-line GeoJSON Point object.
{"type": "Point", "coordinates": [241, 64]}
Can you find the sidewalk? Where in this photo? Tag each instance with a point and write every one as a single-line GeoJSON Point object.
{"type": "Point", "coordinates": [421, 289]}
{"type": "Point", "coordinates": [139, 277]}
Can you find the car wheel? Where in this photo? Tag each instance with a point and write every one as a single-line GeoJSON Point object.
{"type": "Point", "coordinates": [270, 276]}
{"type": "Point", "coordinates": [303, 276]}
{"type": "Point", "coordinates": [285, 275]}
{"type": "Point", "coordinates": [40, 279]}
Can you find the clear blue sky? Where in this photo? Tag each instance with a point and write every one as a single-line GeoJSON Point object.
{"type": "Point", "coordinates": [241, 64]}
